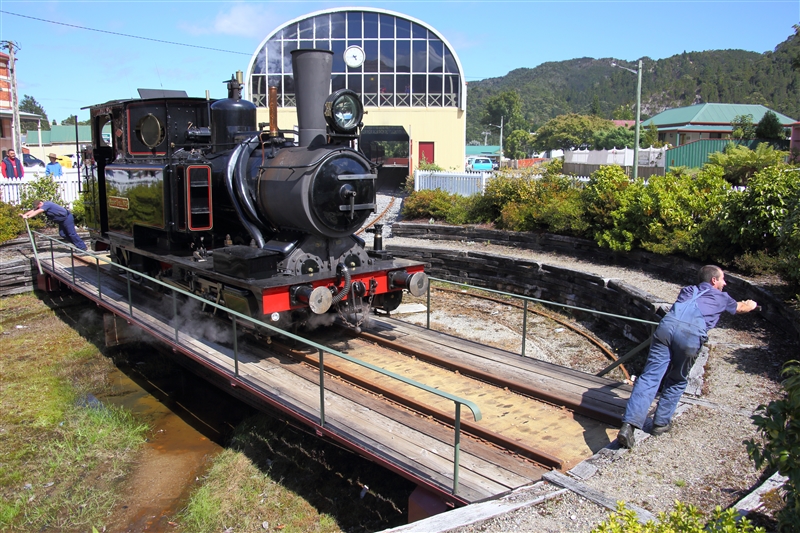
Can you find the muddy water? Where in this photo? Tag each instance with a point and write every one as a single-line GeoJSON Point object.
{"type": "Point", "coordinates": [190, 420]}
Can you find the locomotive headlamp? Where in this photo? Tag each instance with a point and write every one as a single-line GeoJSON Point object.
{"type": "Point", "coordinates": [343, 111]}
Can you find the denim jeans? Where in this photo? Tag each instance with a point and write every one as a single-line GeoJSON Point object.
{"type": "Point", "coordinates": [673, 351]}
{"type": "Point", "coordinates": [67, 230]}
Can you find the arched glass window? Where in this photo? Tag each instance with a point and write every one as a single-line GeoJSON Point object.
{"type": "Point", "coordinates": [406, 65]}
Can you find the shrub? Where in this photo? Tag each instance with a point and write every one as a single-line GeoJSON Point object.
{"type": "Point", "coordinates": [505, 189]}
{"type": "Point", "coordinates": [755, 219]}
{"type": "Point", "coordinates": [757, 263]}
{"type": "Point", "coordinates": [554, 205]}
{"type": "Point", "coordinates": [434, 204]}
{"type": "Point", "coordinates": [424, 165]}
{"type": "Point", "coordinates": [11, 224]}
{"type": "Point", "coordinates": [790, 246]}
{"type": "Point", "coordinates": [78, 210]}
{"type": "Point", "coordinates": [603, 195]}
{"type": "Point", "coordinates": [663, 216]}
{"type": "Point", "coordinates": [779, 426]}
{"type": "Point", "coordinates": [740, 163]}
{"type": "Point", "coordinates": [683, 519]}
{"type": "Point", "coordinates": [43, 188]}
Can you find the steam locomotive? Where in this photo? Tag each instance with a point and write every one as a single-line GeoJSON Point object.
{"type": "Point", "coordinates": [193, 192]}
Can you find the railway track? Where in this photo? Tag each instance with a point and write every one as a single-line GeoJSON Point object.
{"type": "Point", "coordinates": [537, 423]}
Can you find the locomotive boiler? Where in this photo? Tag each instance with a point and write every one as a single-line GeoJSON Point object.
{"type": "Point", "coordinates": [257, 219]}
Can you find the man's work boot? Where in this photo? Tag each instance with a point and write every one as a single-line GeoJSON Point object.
{"type": "Point", "coordinates": [660, 430]}
{"type": "Point", "coordinates": [625, 436]}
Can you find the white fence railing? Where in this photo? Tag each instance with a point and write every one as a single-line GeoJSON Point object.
{"type": "Point", "coordinates": [463, 183]}
{"type": "Point", "coordinates": [10, 189]}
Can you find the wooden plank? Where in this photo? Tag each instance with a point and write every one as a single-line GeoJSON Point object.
{"type": "Point", "coordinates": [496, 355]}
{"type": "Point", "coordinates": [582, 389]}
{"type": "Point", "coordinates": [557, 478]}
{"type": "Point", "coordinates": [514, 465]}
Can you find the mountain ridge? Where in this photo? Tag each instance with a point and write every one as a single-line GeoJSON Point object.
{"type": "Point", "coordinates": [586, 84]}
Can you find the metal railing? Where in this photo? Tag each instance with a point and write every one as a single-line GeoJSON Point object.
{"type": "Point", "coordinates": [458, 401]}
{"type": "Point", "coordinates": [526, 299]}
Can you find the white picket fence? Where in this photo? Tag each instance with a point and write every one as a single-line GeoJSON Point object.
{"type": "Point", "coordinates": [10, 189]}
{"type": "Point", "coordinates": [462, 183]}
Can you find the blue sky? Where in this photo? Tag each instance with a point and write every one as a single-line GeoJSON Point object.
{"type": "Point", "coordinates": [66, 68]}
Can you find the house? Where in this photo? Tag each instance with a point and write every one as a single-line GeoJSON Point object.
{"type": "Point", "coordinates": [794, 143]}
{"type": "Point", "coordinates": [705, 121]}
{"type": "Point", "coordinates": [59, 140]}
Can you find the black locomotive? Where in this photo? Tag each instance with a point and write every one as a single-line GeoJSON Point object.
{"type": "Point", "coordinates": [194, 192]}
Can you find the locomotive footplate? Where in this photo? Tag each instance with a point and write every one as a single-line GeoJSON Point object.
{"type": "Point", "coordinates": [236, 267]}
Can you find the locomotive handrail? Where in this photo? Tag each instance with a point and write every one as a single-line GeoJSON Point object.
{"type": "Point", "coordinates": [458, 401]}
{"type": "Point", "coordinates": [527, 299]}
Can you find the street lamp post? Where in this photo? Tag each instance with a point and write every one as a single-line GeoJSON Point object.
{"type": "Point", "coordinates": [501, 135]}
{"type": "Point", "coordinates": [638, 73]}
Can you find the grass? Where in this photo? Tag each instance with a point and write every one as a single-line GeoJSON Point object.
{"type": "Point", "coordinates": [61, 457]}
{"type": "Point", "coordinates": [276, 474]}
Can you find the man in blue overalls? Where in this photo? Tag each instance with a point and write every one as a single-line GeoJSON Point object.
{"type": "Point", "coordinates": [62, 217]}
{"type": "Point", "coordinates": [673, 350]}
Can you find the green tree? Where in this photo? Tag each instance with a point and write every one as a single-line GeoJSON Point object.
{"type": "Point", "coordinates": [518, 145]}
{"type": "Point", "coordinates": [569, 131]}
{"type": "Point", "coordinates": [649, 137]}
{"type": "Point", "coordinates": [754, 218]}
{"type": "Point", "coordinates": [595, 109]}
{"type": "Point", "coordinates": [740, 163]}
{"type": "Point", "coordinates": [794, 41]}
{"type": "Point", "coordinates": [619, 137]}
{"type": "Point", "coordinates": [779, 425]}
{"type": "Point", "coordinates": [70, 120]}
{"type": "Point", "coordinates": [30, 105]}
{"type": "Point", "coordinates": [769, 127]}
{"type": "Point", "coordinates": [506, 107]}
{"type": "Point", "coordinates": [623, 112]}
{"type": "Point", "coordinates": [743, 127]}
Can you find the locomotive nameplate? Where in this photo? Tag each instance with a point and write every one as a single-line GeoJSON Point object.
{"type": "Point", "coordinates": [119, 202]}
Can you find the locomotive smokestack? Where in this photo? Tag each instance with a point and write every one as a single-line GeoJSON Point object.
{"type": "Point", "coordinates": [312, 82]}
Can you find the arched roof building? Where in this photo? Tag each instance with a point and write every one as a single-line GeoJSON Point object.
{"type": "Point", "coordinates": [409, 78]}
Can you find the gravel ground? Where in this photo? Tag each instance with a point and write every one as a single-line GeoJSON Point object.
{"type": "Point", "coordinates": [702, 461]}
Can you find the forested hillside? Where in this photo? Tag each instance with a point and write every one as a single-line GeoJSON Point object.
{"type": "Point", "coordinates": [594, 86]}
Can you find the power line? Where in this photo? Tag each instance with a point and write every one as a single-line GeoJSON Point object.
{"type": "Point", "coordinates": [123, 34]}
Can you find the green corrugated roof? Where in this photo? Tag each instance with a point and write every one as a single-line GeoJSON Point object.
{"type": "Point", "coordinates": [60, 135]}
{"type": "Point", "coordinates": [482, 150]}
{"type": "Point", "coordinates": [712, 114]}
{"type": "Point", "coordinates": [699, 127]}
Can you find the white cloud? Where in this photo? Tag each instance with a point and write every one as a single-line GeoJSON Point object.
{"type": "Point", "coordinates": [241, 20]}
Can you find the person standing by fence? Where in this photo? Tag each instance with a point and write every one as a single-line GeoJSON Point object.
{"type": "Point", "coordinates": [53, 168]}
{"type": "Point", "coordinates": [12, 167]}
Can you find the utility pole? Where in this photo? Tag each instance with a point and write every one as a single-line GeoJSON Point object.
{"type": "Point", "coordinates": [638, 73]}
{"type": "Point", "coordinates": [16, 135]}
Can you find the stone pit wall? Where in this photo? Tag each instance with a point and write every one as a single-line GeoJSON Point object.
{"type": "Point", "coordinates": [572, 287]}
{"type": "Point", "coordinates": [524, 277]}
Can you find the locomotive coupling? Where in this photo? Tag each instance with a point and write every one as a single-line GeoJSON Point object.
{"type": "Point", "coordinates": [416, 283]}
{"type": "Point", "coordinates": [319, 300]}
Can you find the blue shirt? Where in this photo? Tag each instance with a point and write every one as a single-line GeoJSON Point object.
{"type": "Point", "coordinates": [55, 212]}
{"type": "Point", "coordinates": [54, 169]}
{"type": "Point", "coordinates": [712, 304]}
